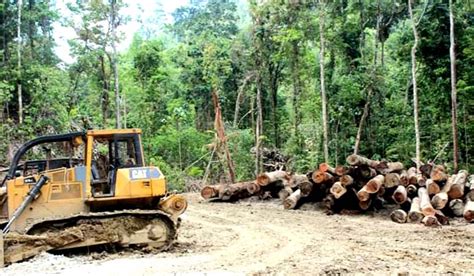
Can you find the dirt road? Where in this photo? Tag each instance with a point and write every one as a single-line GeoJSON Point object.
{"type": "Point", "coordinates": [262, 238]}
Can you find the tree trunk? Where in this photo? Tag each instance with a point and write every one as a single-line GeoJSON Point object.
{"type": "Point", "coordinates": [452, 57]}
{"type": "Point", "coordinates": [321, 177]}
{"type": "Point", "coordinates": [19, 88]}
{"type": "Point", "coordinates": [457, 207]}
{"type": "Point", "coordinates": [374, 184]}
{"type": "Point", "coordinates": [337, 190]}
{"type": "Point", "coordinates": [425, 203]}
{"type": "Point", "coordinates": [469, 210]}
{"type": "Point", "coordinates": [459, 183]}
{"type": "Point", "coordinates": [219, 127]}
{"type": "Point", "coordinates": [211, 191]}
{"type": "Point", "coordinates": [105, 91]}
{"type": "Point", "coordinates": [356, 160]}
{"type": "Point", "coordinates": [323, 85]}
{"type": "Point", "coordinates": [264, 179]}
{"type": "Point", "coordinates": [399, 216]}
{"type": "Point", "coordinates": [258, 127]}
{"type": "Point", "coordinates": [415, 214]}
{"type": "Point", "coordinates": [234, 191]}
{"type": "Point", "coordinates": [438, 174]}
{"type": "Point", "coordinates": [363, 194]}
{"type": "Point", "coordinates": [291, 201]}
{"type": "Point", "coordinates": [325, 167]}
{"type": "Point", "coordinates": [118, 122]}
{"type": "Point", "coordinates": [432, 187]}
{"type": "Point", "coordinates": [295, 75]}
{"type": "Point", "coordinates": [362, 120]}
{"type": "Point", "coordinates": [392, 180]}
{"type": "Point", "coordinates": [400, 195]}
{"type": "Point", "coordinates": [306, 188]}
{"type": "Point", "coordinates": [346, 180]}
{"type": "Point", "coordinates": [415, 88]}
{"type": "Point", "coordinates": [240, 97]}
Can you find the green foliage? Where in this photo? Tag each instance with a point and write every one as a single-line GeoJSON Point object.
{"type": "Point", "coordinates": [169, 71]}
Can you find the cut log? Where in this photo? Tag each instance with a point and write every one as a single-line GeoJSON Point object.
{"type": "Point", "coordinates": [400, 194]}
{"type": "Point", "coordinates": [324, 167]}
{"type": "Point", "coordinates": [321, 177]}
{"type": "Point", "coordinates": [367, 172]}
{"type": "Point", "coordinates": [442, 218]}
{"type": "Point", "coordinates": [421, 180]}
{"type": "Point", "coordinates": [381, 191]}
{"type": "Point", "coordinates": [291, 201]}
{"type": "Point", "coordinates": [431, 221]}
{"type": "Point", "coordinates": [392, 180]}
{"type": "Point", "coordinates": [363, 195]}
{"type": "Point", "coordinates": [415, 214]}
{"type": "Point", "coordinates": [284, 193]}
{"type": "Point", "coordinates": [425, 203]}
{"type": "Point", "coordinates": [341, 170]}
{"type": "Point", "coordinates": [458, 185]}
{"type": "Point", "coordinates": [338, 190]}
{"type": "Point", "coordinates": [346, 180]}
{"type": "Point", "coordinates": [253, 188]}
{"type": "Point", "coordinates": [234, 191]}
{"type": "Point", "coordinates": [425, 169]}
{"type": "Point", "coordinates": [306, 188]}
{"type": "Point", "coordinates": [470, 187]}
{"type": "Point", "coordinates": [374, 184]}
{"type": "Point", "coordinates": [432, 187]}
{"type": "Point", "coordinates": [297, 180]}
{"type": "Point", "coordinates": [389, 167]}
{"type": "Point", "coordinates": [404, 178]}
{"type": "Point", "coordinates": [264, 179]}
{"type": "Point", "coordinates": [438, 174]}
{"type": "Point", "coordinates": [411, 174]}
{"type": "Point", "coordinates": [412, 191]}
{"type": "Point", "coordinates": [399, 216]}
{"type": "Point", "coordinates": [211, 191]}
{"type": "Point", "coordinates": [440, 199]}
{"type": "Point", "coordinates": [329, 203]}
{"type": "Point", "coordinates": [457, 207]}
{"type": "Point", "coordinates": [365, 205]}
{"type": "Point", "coordinates": [469, 210]}
{"type": "Point", "coordinates": [356, 160]}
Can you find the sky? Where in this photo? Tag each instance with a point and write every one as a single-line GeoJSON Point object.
{"type": "Point", "coordinates": [138, 11]}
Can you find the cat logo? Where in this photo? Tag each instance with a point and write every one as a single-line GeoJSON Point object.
{"type": "Point", "coordinates": [138, 173]}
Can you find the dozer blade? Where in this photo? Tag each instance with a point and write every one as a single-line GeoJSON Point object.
{"type": "Point", "coordinates": [143, 228]}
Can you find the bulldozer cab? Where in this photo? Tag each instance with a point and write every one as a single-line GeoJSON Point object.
{"type": "Point", "coordinates": [111, 152]}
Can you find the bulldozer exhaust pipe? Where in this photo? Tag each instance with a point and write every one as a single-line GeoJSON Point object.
{"type": "Point", "coordinates": [28, 199]}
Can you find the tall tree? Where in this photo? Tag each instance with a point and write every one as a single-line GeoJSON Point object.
{"type": "Point", "coordinates": [415, 88]}
{"type": "Point", "coordinates": [323, 85]}
{"type": "Point", "coordinates": [452, 57]}
{"type": "Point", "coordinates": [114, 24]}
{"type": "Point", "coordinates": [19, 88]}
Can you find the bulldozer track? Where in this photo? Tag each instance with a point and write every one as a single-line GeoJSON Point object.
{"type": "Point", "coordinates": [144, 228]}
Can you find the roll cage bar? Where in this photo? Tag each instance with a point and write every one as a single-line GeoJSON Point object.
{"type": "Point", "coordinates": [37, 141]}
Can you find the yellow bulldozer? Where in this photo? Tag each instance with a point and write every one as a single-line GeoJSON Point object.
{"type": "Point", "coordinates": [99, 191]}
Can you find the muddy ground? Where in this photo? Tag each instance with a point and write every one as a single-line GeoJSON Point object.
{"type": "Point", "coordinates": [262, 238]}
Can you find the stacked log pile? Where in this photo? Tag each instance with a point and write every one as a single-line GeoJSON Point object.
{"type": "Point", "coordinates": [428, 196]}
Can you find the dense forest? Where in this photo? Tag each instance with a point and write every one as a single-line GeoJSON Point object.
{"type": "Point", "coordinates": [315, 80]}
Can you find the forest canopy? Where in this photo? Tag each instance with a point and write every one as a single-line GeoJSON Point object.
{"type": "Point", "coordinates": [315, 80]}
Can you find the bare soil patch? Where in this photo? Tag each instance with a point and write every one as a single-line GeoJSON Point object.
{"type": "Point", "coordinates": [262, 238]}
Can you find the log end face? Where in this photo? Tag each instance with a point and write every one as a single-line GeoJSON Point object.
{"type": "Point", "coordinates": [399, 216]}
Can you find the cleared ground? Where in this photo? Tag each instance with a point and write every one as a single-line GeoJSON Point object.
{"type": "Point", "coordinates": [262, 238]}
